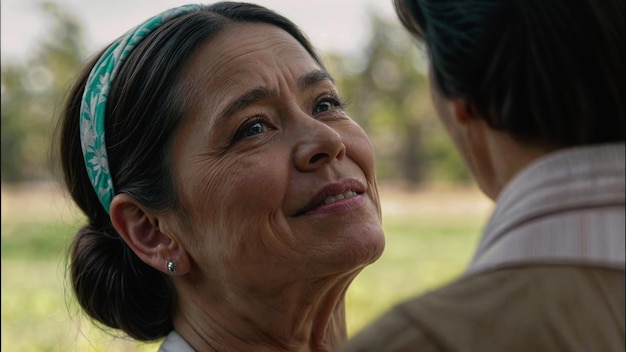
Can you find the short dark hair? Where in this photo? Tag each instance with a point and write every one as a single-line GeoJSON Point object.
{"type": "Point", "coordinates": [543, 71]}
{"type": "Point", "coordinates": [145, 107]}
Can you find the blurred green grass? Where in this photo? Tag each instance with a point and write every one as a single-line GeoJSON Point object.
{"type": "Point", "coordinates": [430, 237]}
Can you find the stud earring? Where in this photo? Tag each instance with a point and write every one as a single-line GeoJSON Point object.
{"type": "Point", "coordinates": [171, 266]}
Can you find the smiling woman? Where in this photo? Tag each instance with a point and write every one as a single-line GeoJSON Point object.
{"type": "Point", "coordinates": [231, 201]}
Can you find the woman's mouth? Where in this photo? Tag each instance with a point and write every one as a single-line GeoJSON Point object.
{"type": "Point", "coordinates": [334, 197]}
{"type": "Point", "coordinates": [338, 197]}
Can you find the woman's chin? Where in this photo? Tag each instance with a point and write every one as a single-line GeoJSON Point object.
{"type": "Point", "coordinates": [359, 249]}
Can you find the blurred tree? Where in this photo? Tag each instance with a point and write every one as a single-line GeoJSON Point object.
{"type": "Point", "coordinates": [385, 85]}
{"type": "Point", "coordinates": [32, 93]}
{"type": "Point", "coordinates": [389, 96]}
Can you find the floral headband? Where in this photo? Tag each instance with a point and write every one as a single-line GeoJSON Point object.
{"type": "Point", "coordinates": [92, 110]}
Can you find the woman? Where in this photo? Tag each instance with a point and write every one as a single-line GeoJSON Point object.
{"type": "Point", "coordinates": [230, 200]}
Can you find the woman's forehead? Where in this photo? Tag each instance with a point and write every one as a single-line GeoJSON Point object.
{"type": "Point", "coordinates": [249, 47]}
{"type": "Point", "coordinates": [245, 57]}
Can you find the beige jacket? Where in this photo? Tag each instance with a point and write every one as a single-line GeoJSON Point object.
{"type": "Point", "coordinates": [525, 309]}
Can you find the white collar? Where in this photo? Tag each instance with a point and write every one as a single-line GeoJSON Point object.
{"type": "Point", "coordinates": [175, 343]}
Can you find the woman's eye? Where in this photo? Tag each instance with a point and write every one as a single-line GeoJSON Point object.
{"type": "Point", "coordinates": [322, 107]}
{"type": "Point", "coordinates": [327, 104]}
{"type": "Point", "coordinates": [251, 128]}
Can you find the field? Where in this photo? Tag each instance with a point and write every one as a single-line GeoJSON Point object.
{"type": "Point", "coordinates": [430, 233]}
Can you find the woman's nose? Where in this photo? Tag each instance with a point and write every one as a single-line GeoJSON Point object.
{"type": "Point", "coordinates": [318, 144]}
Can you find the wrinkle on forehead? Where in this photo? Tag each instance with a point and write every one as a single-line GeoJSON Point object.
{"type": "Point", "coordinates": [265, 56]}
{"type": "Point", "coordinates": [245, 42]}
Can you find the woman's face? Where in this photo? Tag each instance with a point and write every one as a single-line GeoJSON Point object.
{"type": "Point", "coordinates": [277, 181]}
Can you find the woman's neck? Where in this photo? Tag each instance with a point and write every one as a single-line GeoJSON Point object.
{"type": "Point", "coordinates": [295, 318]}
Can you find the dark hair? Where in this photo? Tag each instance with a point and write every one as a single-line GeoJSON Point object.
{"type": "Point", "coordinates": [145, 106]}
{"type": "Point", "coordinates": [543, 71]}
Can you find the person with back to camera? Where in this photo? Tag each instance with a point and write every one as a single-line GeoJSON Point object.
{"type": "Point", "coordinates": [532, 93]}
{"type": "Point", "coordinates": [230, 200]}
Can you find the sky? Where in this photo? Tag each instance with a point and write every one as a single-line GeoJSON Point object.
{"type": "Point", "coordinates": [332, 25]}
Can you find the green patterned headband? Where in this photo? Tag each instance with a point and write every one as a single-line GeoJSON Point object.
{"type": "Point", "coordinates": [92, 110]}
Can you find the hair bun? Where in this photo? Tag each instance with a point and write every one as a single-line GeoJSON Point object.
{"type": "Point", "coordinates": [115, 288]}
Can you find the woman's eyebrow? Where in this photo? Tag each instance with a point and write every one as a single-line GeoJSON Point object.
{"type": "Point", "coordinates": [256, 94]}
{"type": "Point", "coordinates": [241, 102]}
{"type": "Point", "coordinates": [312, 78]}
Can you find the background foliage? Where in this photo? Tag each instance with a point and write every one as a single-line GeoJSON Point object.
{"type": "Point", "coordinates": [386, 86]}
{"type": "Point", "coordinates": [32, 93]}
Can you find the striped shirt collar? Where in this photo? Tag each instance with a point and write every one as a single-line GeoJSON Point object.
{"type": "Point", "coordinates": [564, 208]}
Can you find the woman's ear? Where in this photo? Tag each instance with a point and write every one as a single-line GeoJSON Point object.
{"type": "Point", "coordinates": [140, 230]}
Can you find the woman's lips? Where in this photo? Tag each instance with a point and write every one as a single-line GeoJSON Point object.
{"type": "Point", "coordinates": [338, 197]}
{"type": "Point", "coordinates": [335, 196]}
